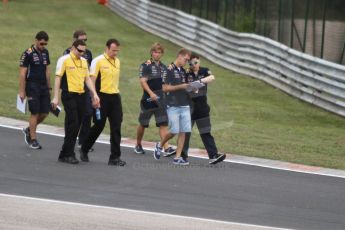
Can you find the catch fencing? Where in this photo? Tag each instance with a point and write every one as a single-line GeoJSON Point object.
{"type": "Point", "coordinates": [308, 78]}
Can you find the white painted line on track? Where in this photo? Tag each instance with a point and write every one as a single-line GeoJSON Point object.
{"type": "Point", "coordinates": [256, 164]}
{"type": "Point", "coordinates": [138, 211]}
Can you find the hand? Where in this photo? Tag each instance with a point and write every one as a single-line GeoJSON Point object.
{"type": "Point", "coordinates": [22, 95]}
{"type": "Point", "coordinates": [153, 97]}
{"type": "Point", "coordinates": [95, 101]}
{"type": "Point", "coordinates": [54, 103]}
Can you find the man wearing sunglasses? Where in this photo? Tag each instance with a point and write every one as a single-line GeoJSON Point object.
{"type": "Point", "coordinates": [201, 110]}
{"type": "Point", "coordinates": [72, 73]}
{"type": "Point", "coordinates": [34, 83]}
{"type": "Point", "coordinates": [86, 121]}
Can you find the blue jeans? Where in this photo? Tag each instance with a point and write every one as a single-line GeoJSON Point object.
{"type": "Point", "coordinates": [179, 119]}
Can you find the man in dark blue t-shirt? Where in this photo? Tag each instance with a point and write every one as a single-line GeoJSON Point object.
{"type": "Point", "coordinates": [34, 84]}
{"type": "Point", "coordinates": [152, 102]}
{"type": "Point", "coordinates": [86, 121]}
{"type": "Point", "coordinates": [175, 85]}
{"type": "Point", "coordinates": [201, 110]}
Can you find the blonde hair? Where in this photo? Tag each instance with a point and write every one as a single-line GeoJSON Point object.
{"type": "Point", "coordinates": [156, 46]}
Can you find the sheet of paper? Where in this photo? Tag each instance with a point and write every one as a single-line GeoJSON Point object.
{"type": "Point", "coordinates": [195, 85]}
{"type": "Point", "coordinates": [21, 105]}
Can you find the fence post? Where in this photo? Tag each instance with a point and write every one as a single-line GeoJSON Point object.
{"type": "Point", "coordinates": [342, 54]}
{"type": "Point", "coordinates": [323, 26]}
{"type": "Point", "coordinates": [279, 18]}
{"type": "Point", "coordinates": [306, 24]}
{"type": "Point", "coordinates": [292, 22]}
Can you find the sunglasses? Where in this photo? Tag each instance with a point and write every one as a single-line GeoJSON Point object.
{"type": "Point", "coordinates": [194, 63]}
{"type": "Point", "coordinates": [43, 43]}
{"type": "Point", "coordinates": [80, 51]}
{"type": "Point", "coordinates": [84, 40]}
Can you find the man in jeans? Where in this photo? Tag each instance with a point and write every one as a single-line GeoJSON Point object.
{"type": "Point", "coordinates": [175, 85]}
{"type": "Point", "coordinates": [152, 102]}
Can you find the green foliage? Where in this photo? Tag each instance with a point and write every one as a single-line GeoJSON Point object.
{"type": "Point", "coordinates": [244, 21]}
{"type": "Point", "coordinates": [249, 117]}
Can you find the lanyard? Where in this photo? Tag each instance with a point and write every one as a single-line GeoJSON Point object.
{"type": "Point", "coordinates": [113, 64]}
{"type": "Point", "coordinates": [81, 63]}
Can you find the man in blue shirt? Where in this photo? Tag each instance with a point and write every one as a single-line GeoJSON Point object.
{"type": "Point", "coordinates": [34, 84]}
{"type": "Point", "coordinates": [174, 85]}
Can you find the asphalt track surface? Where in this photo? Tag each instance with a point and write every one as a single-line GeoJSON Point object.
{"type": "Point", "coordinates": [225, 192]}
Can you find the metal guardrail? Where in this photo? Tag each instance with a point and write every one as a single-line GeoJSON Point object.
{"type": "Point", "coordinates": [308, 78]}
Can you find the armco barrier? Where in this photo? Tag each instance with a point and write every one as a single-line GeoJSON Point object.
{"type": "Point", "coordinates": [310, 79]}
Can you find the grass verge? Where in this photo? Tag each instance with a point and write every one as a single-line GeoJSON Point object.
{"type": "Point", "coordinates": [249, 117]}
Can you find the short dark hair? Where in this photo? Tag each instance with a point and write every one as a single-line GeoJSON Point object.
{"type": "Point", "coordinates": [42, 35]}
{"type": "Point", "coordinates": [184, 52]}
{"type": "Point", "coordinates": [194, 55]}
{"type": "Point", "coordinates": [111, 41]}
{"type": "Point", "coordinates": [77, 43]}
{"type": "Point", "coordinates": [78, 33]}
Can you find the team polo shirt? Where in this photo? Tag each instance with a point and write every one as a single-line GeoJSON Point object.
{"type": "Point", "coordinates": [176, 76]}
{"type": "Point", "coordinates": [107, 73]}
{"type": "Point", "coordinates": [72, 71]}
{"type": "Point", "coordinates": [200, 96]}
{"type": "Point", "coordinates": [154, 72]}
{"type": "Point", "coordinates": [36, 62]}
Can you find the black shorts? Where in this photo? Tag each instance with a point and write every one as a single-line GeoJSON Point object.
{"type": "Point", "coordinates": [38, 98]}
{"type": "Point", "coordinates": [146, 113]}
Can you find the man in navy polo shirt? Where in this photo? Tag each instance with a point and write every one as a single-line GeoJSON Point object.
{"type": "Point", "coordinates": [86, 121]}
{"type": "Point", "coordinates": [175, 85]}
{"type": "Point", "coordinates": [152, 102]}
{"type": "Point", "coordinates": [34, 83]}
{"type": "Point", "coordinates": [201, 110]}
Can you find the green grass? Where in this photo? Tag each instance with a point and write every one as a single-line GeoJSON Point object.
{"type": "Point", "coordinates": [249, 117]}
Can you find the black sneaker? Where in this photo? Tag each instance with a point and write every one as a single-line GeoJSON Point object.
{"type": "Point", "coordinates": [217, 158]}
{"type": "Point", "coordinates": [90, 150]}
{"type": "Point", "coordinates": [139, 149]}
{"type": "Point", "coordinates": [83, 156]}
{"type": "Point", "coordinates": [169, 152]}
{"type": "Point", "coordinates": [117, 162]}
{"type": "Point", "coordinates": [69, 160]}
{"type": "Point", "coordinates": [27, 137]}
{"type": "Point", "coordinates": [34, 144]}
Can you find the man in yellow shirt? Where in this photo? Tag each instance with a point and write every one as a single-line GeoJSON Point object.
{"type": "Point", "coordinates": [71, 74]}
{"type": "Point", "coordinates": [105, 72]}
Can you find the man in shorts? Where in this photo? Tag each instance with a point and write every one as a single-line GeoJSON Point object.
{"type": "Point", "coordinates": [34, 83]}
{"type": "Point", "coordinates": [152, 102]}
{"type": "Point", "coordinates": [174, 85]}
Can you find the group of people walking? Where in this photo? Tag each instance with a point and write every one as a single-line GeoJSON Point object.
{"type": "Point", "coordinates": [176, 97]}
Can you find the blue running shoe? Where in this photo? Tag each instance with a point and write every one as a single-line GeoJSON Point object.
{"type": "Point", "coordinates": [169, 152]}
{"type": "Point", "coordinates": [157, 152]}
{"type": "Point", "coordinates": [27, 137]}
{"type": "Point", "coordinates": [180, 161]}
